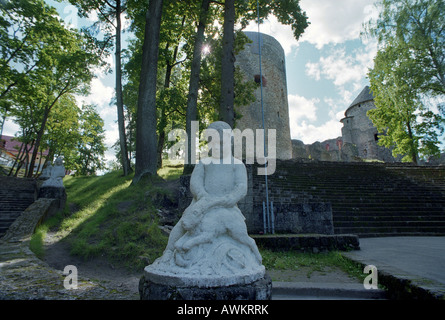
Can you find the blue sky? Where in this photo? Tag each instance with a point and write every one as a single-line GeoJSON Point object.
{"type": "Point", "coordinates": [326, 69]}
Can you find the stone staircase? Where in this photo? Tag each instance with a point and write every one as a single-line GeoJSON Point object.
{"type": "Point", "coordinates": [16, 194]}
{"type": "Point", "coordinates": [368, 199]}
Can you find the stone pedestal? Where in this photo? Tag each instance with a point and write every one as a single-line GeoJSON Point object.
{"type": "Point", "coordinates": [50, 192]}
{"type": "Point", "coordinates": [156, 287]}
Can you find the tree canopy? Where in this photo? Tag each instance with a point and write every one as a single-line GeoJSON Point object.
{"type": "Point", "coordinates": [44, 63]}
{"type": "Point", "coordinates": [408, 72]}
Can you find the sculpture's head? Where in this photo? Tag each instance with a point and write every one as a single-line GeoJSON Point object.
{"type": "Point", "coordinates": [59, 161]}
{"type": "Point", "coordinates": [221, 138]}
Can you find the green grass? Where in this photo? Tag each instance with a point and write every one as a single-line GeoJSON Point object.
{"type": "Point", "coordinates": [321, 262]}
{"type": "Point", "coordinates": [107, 216]}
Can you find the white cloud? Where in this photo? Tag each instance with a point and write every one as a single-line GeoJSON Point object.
{"type": "Point", "coordinates": [112, 134]}
{"type": "Point", "coordinates": [338, 67]}
{"type": "Point", "coordinates": [303, 119]}
{"type": "Point", "coordinates": [10, 128]}
{"type": "Point", "coordinates": [313, 70]}
{"type": "Point", "coordinates": [100, 94]}
{"type": "Point", "coordinates": [310, 133]}
{"type": "Point", "coordinates": [333, 22]}
{"type": "Point", "coordinates": [301, 107]}
{"type": "Point", "coordinates": [282, 33]}
{"type": "Point", "coordinates": [345, 69]}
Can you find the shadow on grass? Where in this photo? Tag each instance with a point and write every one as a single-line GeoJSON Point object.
{"type": "Point", "coordinates": [111, 219]}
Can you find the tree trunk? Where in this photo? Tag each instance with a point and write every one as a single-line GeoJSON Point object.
{"type": "Point", "coordinates": [37, 142]}
{"type": "Point", "coordinates": [226, 109]}
{"type": "Point", "coordinates": [163, 120]}
{"type": "Point", "coordinates": [146, 161]}
{"type": "Point", "coordinates": [413, 150]}
{"type": "Point", "coordinates": [119, 100]}
{"type": "Point", "coordinates": [192, 100]}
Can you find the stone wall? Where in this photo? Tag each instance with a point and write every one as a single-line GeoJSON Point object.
{"type": "Point", "coordinates": [299, 216]}
{"type": "Point", "coordinates": [328, 150]}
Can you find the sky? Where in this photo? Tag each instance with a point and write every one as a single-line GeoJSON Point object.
{"type": "Point", "coordinates": [326, 68]}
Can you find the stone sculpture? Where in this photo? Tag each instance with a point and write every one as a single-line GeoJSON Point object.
{"type": "Point", "coordinates": [46, 173]}
{"type": "Point", "coordinates": [210, 246]}
{"type": "Point", "coordinates": [56, 174]}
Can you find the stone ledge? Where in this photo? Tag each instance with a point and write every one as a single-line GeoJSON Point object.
{"type": "Point", "coordinates": [402, 286]}
{"type": "Point", "coordinates": [202, 281]}
{"type": "Point", "coordinates": [308, 242]}
{"type": "Point", "coordinates": [25, 225]}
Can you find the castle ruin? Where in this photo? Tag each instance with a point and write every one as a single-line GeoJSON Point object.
{"type": "Point", "coordinates": [359, 139]}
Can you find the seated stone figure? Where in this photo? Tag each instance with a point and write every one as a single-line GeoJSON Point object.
{"type": "Point", "coordinates": [211, 237]}
{"type": "Point", "coordinates": [56, 174]}
{"type": "Point", "coordinates": [46, 173]}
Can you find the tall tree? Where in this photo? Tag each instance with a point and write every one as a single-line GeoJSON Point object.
{"type": "Point", "coordinates": [226, 109]}
{"type": "Point", "coordinates": [408, 70]}
{"type": "Point", "coordinates": [146, 140]}
{"type": "Point", "coordinates": [192, 100]}
{"type": "Point", "coordinates": [109, 13]}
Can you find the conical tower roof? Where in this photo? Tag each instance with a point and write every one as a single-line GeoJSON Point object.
{"type": "Point", "coordinates": [365, 95]}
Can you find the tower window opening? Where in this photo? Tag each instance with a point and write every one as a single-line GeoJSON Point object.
{"type": "Point", "coordinates": [258, 80]}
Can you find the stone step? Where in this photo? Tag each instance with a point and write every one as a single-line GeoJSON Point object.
{"type": "Point", "coordinates": [347, 207]}
{"type": "Point", "coordinates": [14, 206]}
{"type": "Point", "coordinates": [383, 196]}
{"type": "Point", "coordinates": [324, 291]}
{"type": "Point", "coordinates": [390, 229]}
{"type": "Point", "coordinates": [16, 194]}
{"type": "Point", "coordinates": [392, 224]}
{"type": "Point", "coordinates": [347, 218]}
{"type": "Point", "coordinates": [10, 214]}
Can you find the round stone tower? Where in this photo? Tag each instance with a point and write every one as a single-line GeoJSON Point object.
{"type": "Point", "coordinates": [276, 108]}
{"type": "Point", "coordinates": [359, 130]}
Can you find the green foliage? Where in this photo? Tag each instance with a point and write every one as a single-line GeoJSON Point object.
{"type": "Point", "coordinates": [408, 70]}
{"type": "Point", "coordinates": [415, 28]}
{"type": "Point", "coordinates": [90, 146]}
{"type": "Point", "coordinates": [44, 62]}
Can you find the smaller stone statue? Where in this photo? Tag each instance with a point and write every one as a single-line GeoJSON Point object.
{"type": "Point", "coordinates": [46, 172]}
{"type": "Point", "coordinates": [56, 174]}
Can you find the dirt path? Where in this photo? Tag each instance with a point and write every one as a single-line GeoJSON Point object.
{"type": "Point", "coordinates": [57, 256]}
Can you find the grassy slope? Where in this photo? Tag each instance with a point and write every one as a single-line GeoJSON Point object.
{"type": "Point", "coordinates": [106, 216]}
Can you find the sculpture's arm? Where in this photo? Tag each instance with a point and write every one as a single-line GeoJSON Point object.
{"type": "Point", "coordinates": [229, 200]}
{"type": "Point", "coordinates": [240, 189]}
{"type": "Point", "coordinates": [197, 182]}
